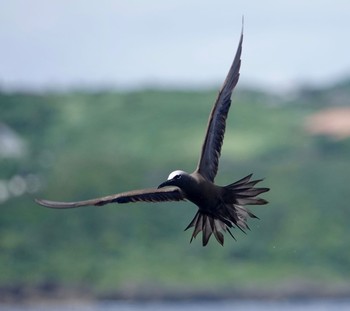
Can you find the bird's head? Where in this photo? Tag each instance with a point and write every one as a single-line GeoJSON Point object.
{"type": "Point", "coordinates": [177, 178]}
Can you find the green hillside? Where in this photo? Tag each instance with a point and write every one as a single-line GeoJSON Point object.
{"type": "Point", "coordinates": [80, 145]}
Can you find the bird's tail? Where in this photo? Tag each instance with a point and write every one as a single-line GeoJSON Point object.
{"type": "Point", "coordinates": [232, 213]}
{"type": "Point", "coordinates": [209, 225]}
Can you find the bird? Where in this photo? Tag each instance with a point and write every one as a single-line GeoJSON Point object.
{"type": "Point", "coordinates": [220, 208]}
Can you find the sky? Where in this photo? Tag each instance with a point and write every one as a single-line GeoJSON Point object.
{"type": "Point", "coordinates": [64, 44]}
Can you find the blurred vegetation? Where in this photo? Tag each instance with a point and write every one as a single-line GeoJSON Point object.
{"type": "Point", "coordinates": [80, 145]}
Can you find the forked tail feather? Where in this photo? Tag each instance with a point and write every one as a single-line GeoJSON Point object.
{"type": "Point", "coordinates": [231, 213]}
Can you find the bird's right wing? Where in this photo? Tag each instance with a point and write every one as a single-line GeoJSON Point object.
{"type": "Point", "coordinates": [211, 149]}
{"type": "Point", "coordinates": [144, 195]}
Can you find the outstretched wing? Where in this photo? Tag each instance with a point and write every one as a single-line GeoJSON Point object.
{"type": "Point", "coordinates": [144, 195]}
{"type": "Point", "coordinates": [209, 158]}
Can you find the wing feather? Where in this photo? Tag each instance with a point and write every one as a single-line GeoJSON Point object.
{"type": "Point", "coordinates": [211, 149]}
{"type": "Point", "coordinates": [144, 195]}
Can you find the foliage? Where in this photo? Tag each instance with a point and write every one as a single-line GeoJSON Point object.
{"type": "Point", "coordinates": [83, 145]}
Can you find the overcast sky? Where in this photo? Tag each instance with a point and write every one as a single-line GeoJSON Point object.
{"type": "Point", "coordinates": [182, 43]}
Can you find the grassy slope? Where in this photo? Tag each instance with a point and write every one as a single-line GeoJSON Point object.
{"type": "Point", "coordinates": [87, 145]}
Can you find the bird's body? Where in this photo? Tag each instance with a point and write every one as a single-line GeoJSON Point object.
{"type": "Point", "coordinates": [219, 208]}
{"type": "Point", "coordinates": [196, 188]}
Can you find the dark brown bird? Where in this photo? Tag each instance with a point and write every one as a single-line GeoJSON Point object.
{"type": "Point", "coordinates": [219, 208]}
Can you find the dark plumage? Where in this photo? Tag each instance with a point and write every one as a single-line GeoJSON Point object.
{"type": "Point", "coordinates": [219, 208]}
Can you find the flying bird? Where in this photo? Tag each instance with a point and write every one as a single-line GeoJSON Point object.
{"type": "Point", "coordinates": [219, 208]}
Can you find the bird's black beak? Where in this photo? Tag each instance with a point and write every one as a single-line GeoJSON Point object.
{"type": "Point", "coordinates": [164, 184]}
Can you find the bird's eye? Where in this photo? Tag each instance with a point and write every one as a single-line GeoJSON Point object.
{"type": "Point", "coordinates": [177, 177]}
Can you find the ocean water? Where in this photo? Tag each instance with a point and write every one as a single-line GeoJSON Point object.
{"type": "Point", "coordinates": [299, 305]}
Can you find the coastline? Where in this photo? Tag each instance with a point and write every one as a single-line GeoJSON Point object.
{"type": "Point", "coordinates": [287, 291]}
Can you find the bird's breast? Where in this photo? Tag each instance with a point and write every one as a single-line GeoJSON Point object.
{"type": "Point", "coordinates": [204, 194]}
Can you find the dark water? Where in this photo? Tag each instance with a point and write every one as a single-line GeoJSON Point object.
{"type": "Point", "coordinates": [312, 305]}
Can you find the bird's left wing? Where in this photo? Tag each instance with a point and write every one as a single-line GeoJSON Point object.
{"type": "Point", "coordinates": [144, 195]}
{"type": "Point", "coordinates": [209, 159]}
